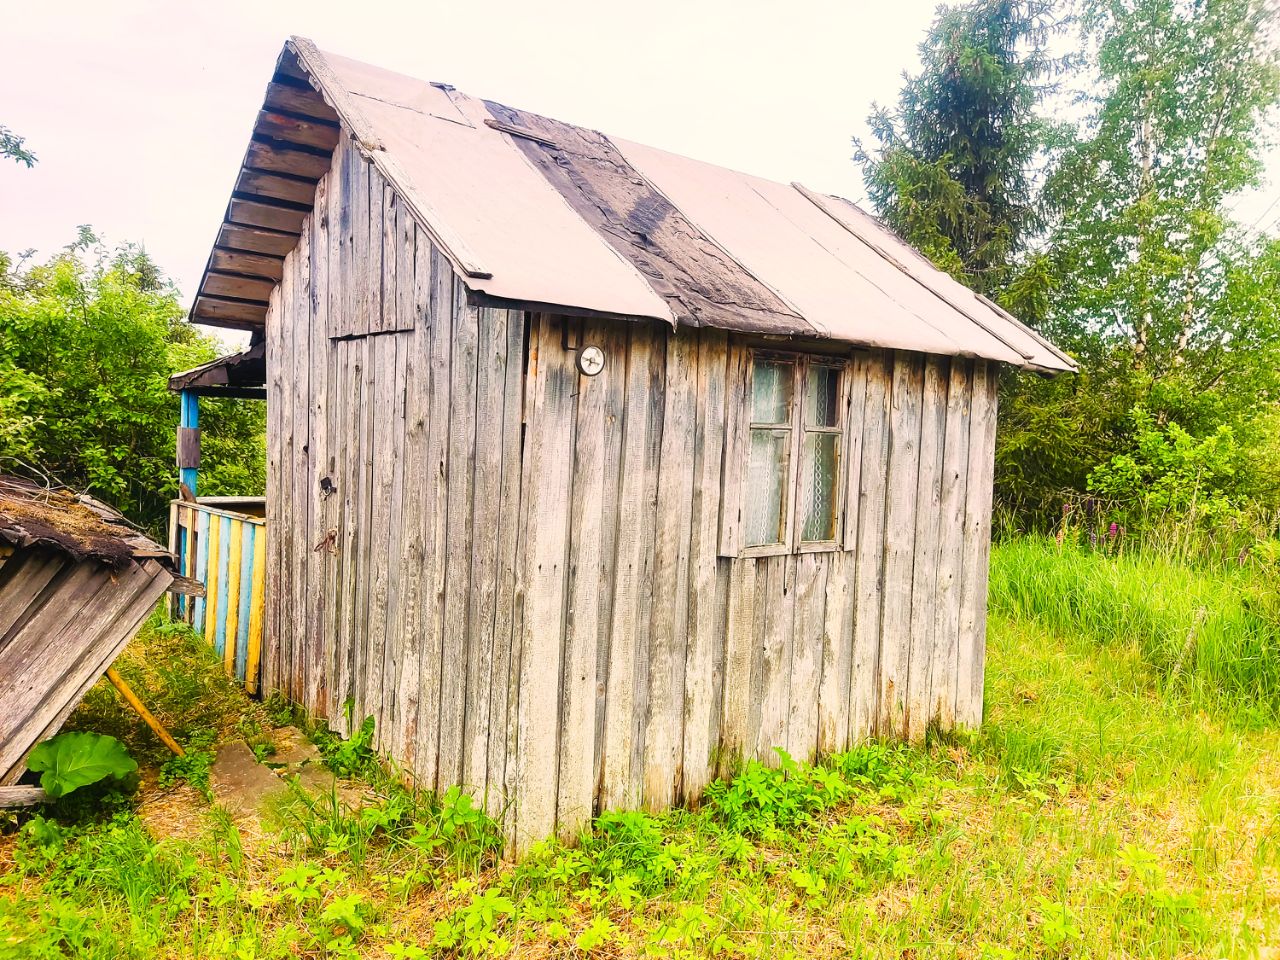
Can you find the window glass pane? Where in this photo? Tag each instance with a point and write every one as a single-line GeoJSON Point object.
{"type": "Point", "coordinates": [818, 486]}
{"type": "Point", "coordinates": [766, 484]}
{"type": "Point", "coordinates": [822, 392]}
{"type": "Point", "coordinates": [771, 386]}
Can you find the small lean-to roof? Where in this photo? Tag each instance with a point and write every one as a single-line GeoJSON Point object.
{"type": "Point", "coordinates": [77, 525]}
{"type": "Point", "coordinates": [538, 212]}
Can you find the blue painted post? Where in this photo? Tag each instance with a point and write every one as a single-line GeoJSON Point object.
{"type": "Point", "coordinates": [190, 417]}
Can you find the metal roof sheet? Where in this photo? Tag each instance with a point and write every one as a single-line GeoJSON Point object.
{"type": "Point", "coordinates": [536, 211]}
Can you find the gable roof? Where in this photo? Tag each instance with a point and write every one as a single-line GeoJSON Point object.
{"type": "Point", "coordinates": [532, 211]}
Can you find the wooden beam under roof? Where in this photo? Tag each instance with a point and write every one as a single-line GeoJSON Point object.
{"type": "Point", "coordinates": [235, 236]}
{"type": "Point", "coordinates": [298, 100]}
{"type": "Point", "coordinates": [247, 264]}
{"type": "Point", "coordinates": [226, 312]}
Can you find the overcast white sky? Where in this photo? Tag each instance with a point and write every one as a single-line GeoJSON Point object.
{"type": "Point", "coordinates": [140, 111]}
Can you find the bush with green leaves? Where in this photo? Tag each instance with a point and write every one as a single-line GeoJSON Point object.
{"type": "Point", "coordinates": [75, 759]}
{"type": "Point", "coordinates": [88, 341]}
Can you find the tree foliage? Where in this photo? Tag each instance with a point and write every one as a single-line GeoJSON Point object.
{"type": "Point", "coordinates": [1113, 234]}
{"type": "Point", "coordinates": [952, 167]}
{"type": "Point", "coordinates": [88, 341]}
{"type": "Point", "coordinates": [15, 147]}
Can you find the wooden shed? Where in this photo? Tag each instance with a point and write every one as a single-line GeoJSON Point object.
{"type": "Point", "coordinates": [76, 583]}
{"type": "Point", "coordinates": [592, 468]}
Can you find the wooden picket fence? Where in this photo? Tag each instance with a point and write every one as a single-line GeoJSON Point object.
{"type": "Point", "coordinates": [222, 542]}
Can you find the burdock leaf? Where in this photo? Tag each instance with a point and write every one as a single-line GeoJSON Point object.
{"type": "Point", "coordinates": [73, 760]}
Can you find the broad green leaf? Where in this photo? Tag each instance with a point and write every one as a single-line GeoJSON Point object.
{"type": "Point", "coordinates": [73, 760]}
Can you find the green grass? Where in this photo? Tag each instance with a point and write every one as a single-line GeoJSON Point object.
{"type": "Point", "coordinates": [1210, 635]}
{"type": "Point", "coordinates": [1110, 806]}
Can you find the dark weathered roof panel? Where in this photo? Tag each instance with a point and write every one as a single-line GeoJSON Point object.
{"type": "Point", "coordinates": [77, 525]}
{"type": "Point", "coordinates": [703, 285]}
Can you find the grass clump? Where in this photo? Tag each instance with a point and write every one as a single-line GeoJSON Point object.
{"type": "Point", "coordinates": [1210, 634]}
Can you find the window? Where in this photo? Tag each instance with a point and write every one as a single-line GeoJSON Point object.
{"type": "Point", "coordinates": [790, 487]}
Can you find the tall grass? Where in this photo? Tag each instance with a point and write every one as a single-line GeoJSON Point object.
{"type": "Point", "coordinates": [1209, 635]}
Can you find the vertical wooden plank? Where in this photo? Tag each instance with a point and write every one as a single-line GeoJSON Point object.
{"type": "Point", "coordinates": [626, 631]}
{"type": "Point", "coordinates": [955, 466]}
{"type": "Point", "coordinates": [336, 389]}
{"type": "Point", "coordinates": [269, 678]}
{"type": "Point", "coordinates": [810, 591]}
{"type": "Point", "coordinates": [614, 336]}
{"type": "Point", "coordinates": [504, 686]}
{"type": "Point", "coordinates": [653, 408]}
{"type": "Point", "coordinates": [669, 621]}
{"type": "Point", "coordinates": [834, 702]}
{"type": "Point", "coordinates": [706, 612]}
{"type": "Point", "coordinates": [300, 525]}
{"type": "Point", "coordinates": [778, 641]}
{"type": "Point", "coordinates": [490, 401]}
{"type": "Point", "coordinates": [213, 581]}
{"type": "Point", "coordinates": [924, 581]}
{"type": "Point", "coordinates": [362, 230]}
{"type": "Point", "coordinates": [735, 737]}
{"type": "Point", "coordinates": [899, 535]}
{"type": "Point", "coordinates": [413, 290]}
{"type": "Point", "coordinates": [350, 394]}
{"type": "Point", "coordinates": [253, 655]}
{"type": "Point", "coordinates": [736, 444]}
{"type": "Point", "coordinates": [836, 639]}
{"type": "Point", "coordinates": [202, 568]}
{"type": "Point", "coordinates": [231, 617]}
{"type": "Point", "coordinates": [248, 534]}
{"type": "Point", "coordinates": [435, 503]}
{"type": "Point", "coordinates": [868, 583]}
{"type": "Point", "coordinates": [339, 194]}
{"type": "Point", "coordinates": [318, 543]}
{"type": "Point", "coordinates": [226, 598]}
{"type": "Point", "coordinates": [548, 473]}
{"type": "Point", "coordinates": [576, 787]}
{"type": "Point", "coordinates": [384, 438]}
{"type": "Point", "coordinates": [368, 421]}
{"type": "Point", "coordinates": [971, 650]}
{"type": "Point", "coordinates": [457, 591]}
{"type": "Point", "coordinates": [389, 319]}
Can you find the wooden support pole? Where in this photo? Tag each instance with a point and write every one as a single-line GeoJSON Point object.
{"type": "Point", "coordinates": [189, 440]}
{"type": "Point", "coordinates": [132, 700]}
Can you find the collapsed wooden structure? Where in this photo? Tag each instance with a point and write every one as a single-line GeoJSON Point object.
{"type": "Point", "coordinates": [76, 583]}
{"type": "Point", "coordinates": [592, 468]}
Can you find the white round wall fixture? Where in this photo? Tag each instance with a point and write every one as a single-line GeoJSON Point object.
{"type": "Point", "coordinates": [590, 361]}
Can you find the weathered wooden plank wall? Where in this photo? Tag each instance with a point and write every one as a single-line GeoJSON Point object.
{"type": "Point", "coordinates": [394, 428]}
{"type": "Point", "coordinates": [517, 571]}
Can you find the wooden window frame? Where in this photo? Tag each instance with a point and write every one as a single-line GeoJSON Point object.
{"type": "Point", "coordinates": [737, 451]}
